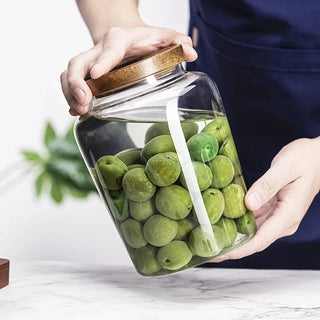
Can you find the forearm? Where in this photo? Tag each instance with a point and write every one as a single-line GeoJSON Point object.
{"type": "Point", "coordinates": [101, 15]}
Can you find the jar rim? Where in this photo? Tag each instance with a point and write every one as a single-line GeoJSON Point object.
{"type": "Point", "coordinates": [137, 69]}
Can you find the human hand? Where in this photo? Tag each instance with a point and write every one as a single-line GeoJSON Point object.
{"type": "Point", "coordinates": [282, 196]}
{"type": "Point", "coordinates": [115, 45]}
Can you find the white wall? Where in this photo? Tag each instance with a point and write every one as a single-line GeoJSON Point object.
{"type": "Point", "coordinates": [38, 37]}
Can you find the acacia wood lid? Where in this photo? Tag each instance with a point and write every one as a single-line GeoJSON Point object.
{"type": "Point", "coordinates": [137, 69]}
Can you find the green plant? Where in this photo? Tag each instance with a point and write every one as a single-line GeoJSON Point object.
{"type": "Point", "coordinates": [60, 168]}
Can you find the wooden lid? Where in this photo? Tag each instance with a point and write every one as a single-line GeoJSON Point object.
{"type": "Point", "coordinates": [137, 69]}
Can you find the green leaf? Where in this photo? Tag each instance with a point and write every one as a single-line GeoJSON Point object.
{"type": "Point", "coordinates": [31, 155]}
{"type": "Point", "coordinates": [39, 183]}
{"type": "Point", "coordinates": [72, 172]}
{"type": "Point", "coordinates": [78, 193]}
{"type": "Point", "coordinates": [56, 191]}
{"type": "Point", "coordinates": [63, 170]}
{"type": "Point", "coordinates": [64, 148]}
{"type": "Point", "coordinates": [49, 134]}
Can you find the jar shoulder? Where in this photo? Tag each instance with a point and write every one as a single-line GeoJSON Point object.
{"type": "Point", "coordinates": [193, 91]}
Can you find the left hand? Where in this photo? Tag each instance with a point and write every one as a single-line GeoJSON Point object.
{"type": "Point", "coordinates": [116, 44]}
{"type": "Point", "coordinates": [282, 196]}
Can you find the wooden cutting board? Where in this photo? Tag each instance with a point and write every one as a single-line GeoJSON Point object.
{"type": "Point", "coordinates": [4, 273]}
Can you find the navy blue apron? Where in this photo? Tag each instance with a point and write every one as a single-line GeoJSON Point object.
{"type": "Point", "coordinates": [265, 58]}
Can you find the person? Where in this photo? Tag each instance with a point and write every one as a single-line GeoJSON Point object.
{"type": "Point", "coordinates": [265, 58]}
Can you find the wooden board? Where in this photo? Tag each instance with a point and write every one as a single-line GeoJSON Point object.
{"type": "Point", "coordinates": [4, 273]}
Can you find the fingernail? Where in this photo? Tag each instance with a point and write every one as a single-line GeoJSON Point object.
{"type": "Point", "coordinates": [95, 66]}
{"type": "Point", "coordinates": [79, 95]}
{"type": "Point", "coordinates": [253, 200]}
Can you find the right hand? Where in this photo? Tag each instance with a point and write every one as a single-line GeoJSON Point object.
{"type": "Point", "coordinates": [115, 45]}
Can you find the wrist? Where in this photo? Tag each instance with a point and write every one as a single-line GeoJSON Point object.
{"type": "Point", "coordinates": [98, 34]}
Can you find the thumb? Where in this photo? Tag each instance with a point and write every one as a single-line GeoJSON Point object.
{"type": "Point", "coordinates": [264, 189]}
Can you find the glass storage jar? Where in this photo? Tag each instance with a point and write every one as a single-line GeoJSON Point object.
{"type": "Point", "coordinates": [159, 148]}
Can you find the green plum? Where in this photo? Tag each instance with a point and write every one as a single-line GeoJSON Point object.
{"type": "Point", "coordinates": [141, 211]}
{"type": "Point", "coordinates": [229, 150]}
{"type": "Point", "coordinates": [120, 210]}
{"type": "Point", "coordinates": [230, 230]}
{"type": "Point", "coordinates": [203, 174]}
{"type": "Point", "coordinates": [174, 255]}
{"type": "Point", "coordinates": [204, 244]}
{"type": "Point", "coordinates": [137, 186]}
{"type": "Point", "coordinates": [234, 201]}
{"type": "Point", "coordinates": [222, 171]}
{"type": "Point", "coordinates": [158, 144]}
{"type": "Point", "coordinates": [218, 234]}
{"type": "Point", "coordinates": [239, 179]}
{"type": "Point", "coordinates": [131, 230]}
{"type": "Point", "coordinates": [163, 169]}
{"type": "Point", "coordinates": [130, 156]}
{"type": "Point", "coordinates": [111, 170]}
{"type": "Point", "coordinates": [161, 128]}
{"type": "Point", "coordinates": [219, 128]}
{"type": "Point", "coordinates": [214, 203]}
{"type": "Point", "coordinates": [173, 202]}
{"type": "Point", "coordinates": [184, 228]}
{"type": "Point", "coordinates": [246, 224]}
{"type": "Point", "coordinates": [146, 261]}
{"type": "Point", "coordinates": [173, 154]}
{"type": "Point", "coordinates": [159, 230]}
{"type": "Point", "coordinates": [133, 166]}
{"type": "Point", "coordinates": [203, 147]}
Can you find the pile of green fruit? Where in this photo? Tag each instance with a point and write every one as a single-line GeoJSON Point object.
{"type": "Point", "coordinates": [148, 197]}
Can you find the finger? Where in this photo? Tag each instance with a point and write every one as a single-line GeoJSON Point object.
{"type": "Point", "coordinates": [157, 38]}
{"type": "Point", "coordinates": [283, 222]}
{"type": "Point", "coordinates": [190, 53]}
{"type": "Point", "coordinates": [264, 189]}
{"type": "Point", "coordinates": [75, 108]}
{"type": "Point", "coordinates": [269, 231]}
{"type": "Point", "coordinates": [119, 43]}
{"type": "Point", "coordinates": [74, 86]}
{"type": "Point", "coordinates": [72, 102]}
{"type": "Point", "coordinates": [265, 211]}
{"type": "Point", "coordinates": [72, 112]}
{"type": "Point", "coordinates": [114, 48]}
{"type": "Point", "coordinates": [64, 86]}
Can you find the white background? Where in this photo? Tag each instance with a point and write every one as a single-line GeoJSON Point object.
{"type": "Point", "coordinates": [38, 37]}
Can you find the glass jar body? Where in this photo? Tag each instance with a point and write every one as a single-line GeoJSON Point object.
{"type": "Point", "coordinates": [163, 159]}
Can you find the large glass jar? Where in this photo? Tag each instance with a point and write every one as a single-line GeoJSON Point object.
{"type": "Point", "coordinates": [159, 147]}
